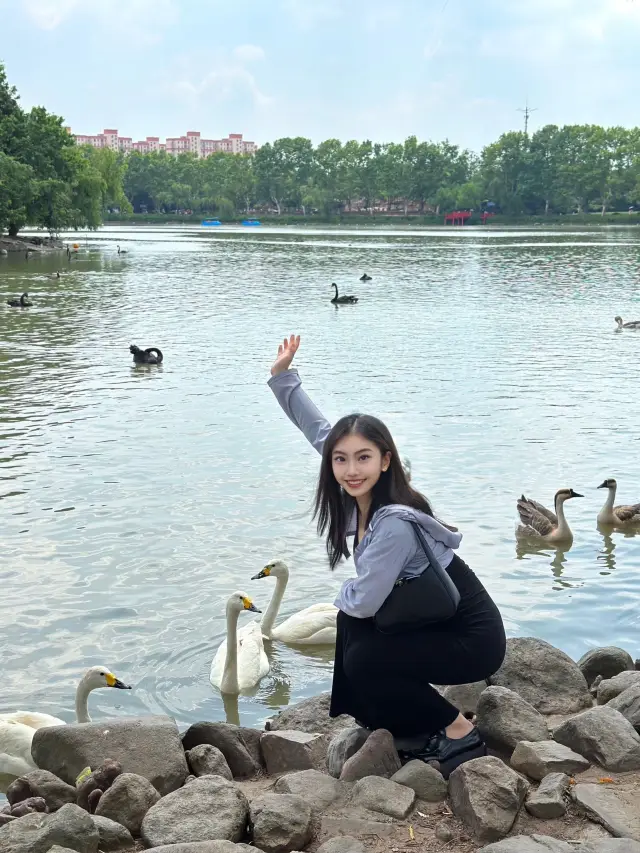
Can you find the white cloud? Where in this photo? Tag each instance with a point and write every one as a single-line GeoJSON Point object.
{"type": "Point", "coordinates": [222, 84]}
{"type": "Point", "coordinates": [307, 14]}
{"type": "Point", "coordinates": [248, 53]}
{"type": "Point", "coordinates": [49, 14]}
{"type": "Point", "coordinates": [140, 20]}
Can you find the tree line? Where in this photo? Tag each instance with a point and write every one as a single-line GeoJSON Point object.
{"type": "Point", "coordinates": [48, 181]}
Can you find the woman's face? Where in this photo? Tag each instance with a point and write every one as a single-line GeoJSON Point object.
{"type": "Point", "coordinates": [357, 464]}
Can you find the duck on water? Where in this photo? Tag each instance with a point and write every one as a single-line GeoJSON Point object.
{"type": "Point", "coordinates": [151, 355]}
{"type": "Point", "coordinates": [342, 300]}
{"type": "Point", "coordinates": [23, 302]}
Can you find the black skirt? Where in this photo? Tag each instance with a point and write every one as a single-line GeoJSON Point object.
{"type": "Point", "coordinates": [384, 681]}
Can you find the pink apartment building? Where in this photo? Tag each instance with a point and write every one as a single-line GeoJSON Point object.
{"type": "Point", "coordinates": [191, 143]}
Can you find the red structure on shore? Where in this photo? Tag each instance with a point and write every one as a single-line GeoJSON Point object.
{"type": "Point", "coordinates": [459, 217]}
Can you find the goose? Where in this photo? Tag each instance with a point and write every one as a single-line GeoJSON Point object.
{"type": "Point", "coordinates": [343, 300]}
{"type": "Point", "coordinates": [18, 727]}
{"type": "Point", "coordinates": [122, 251]}
{"type": "Point", "coordinates": [540, 523]}
{"type": "Point", "coordinates": [315, 624]}
{"type": "Point", "coordinates": [365, 277]}
{"type": "Point", "coordinates": [619, 516]}
{"type": "Point", "coordinates": [23, 302]}
{"type": "Point", "coordinates": [151, 355]}
{"type": "Point", "coordinates": [240, 661]}
{"type": "Point", "coordinates": [4, 252]}
{"type": "Point", "coordinates": [632, 324]}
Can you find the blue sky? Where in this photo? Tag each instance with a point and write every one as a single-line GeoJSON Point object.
{"type": "Point", "coordinates": [454, 69]}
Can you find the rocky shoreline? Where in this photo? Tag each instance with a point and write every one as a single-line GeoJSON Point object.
{"type": "Point", "coordinates": [36, 245]}
{"type": "Point", "coordinates": [563, 774]}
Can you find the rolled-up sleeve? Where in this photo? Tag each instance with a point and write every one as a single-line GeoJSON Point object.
{"type": "Point", "coordinates": [299, 408]}
{"type": "Point", "coordinates": [390, 549]}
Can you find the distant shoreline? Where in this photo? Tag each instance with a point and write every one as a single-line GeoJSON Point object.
{"type": "Point", "coordinates": [358, 220]}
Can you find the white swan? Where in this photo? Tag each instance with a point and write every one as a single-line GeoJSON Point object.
{"type": "Point", "coordinates": [122, 251]}
{"type": "Point", "coordinates": [17, 728]}
{"type": "Point", "coordinates": [619, 516]}
{"type": "Point", "coordinates": [240, 661]}
{"type": "Point", "coordinates": [315, 624]}
{"type": "Point", "coordinates": [540, 523]}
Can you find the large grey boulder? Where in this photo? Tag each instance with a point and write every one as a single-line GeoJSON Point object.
{"type": "Point", "coordinates": [240, 746]}
{"type": "Point", "coordinates": [69, 827]}
{"type": "Point", "coordinates": [504, 718]}
{"type": "Point", "coordinates": [545, 676]}
{"type": "Point", "coordinates": [603, 736]}
{"type": "Point", "coordinates": [548, 802]}
{"type": "Point", "coordinates": [41, 783]}
{"type": "Point", "coordinates": [425, 781]}
{"type": "Point", "coordinates": [377, 757]}
{"type": "Point", "coordinates": [487, 796]}
{"type": "Point", "coordinates": [382, 795]}
{"type": "Point", "coordinates": [114, 837]}
{"type": "Point", "coordinates": [628, 703]}
{"type": "Point", "coordinates": [537, 760]}
{"type": "Point", "coordinates": [465, 696]}
{"type": "Point", "coordinates": [530, 844]}
{"type": "Point", "coordinates": [207, 809]}
{"type": "Point", "coordinates": [311, 715]}
{"type": "Point", "coordinates": [612, 687]}
{"type": "Point", "coordinates": [149, 746]}
{"type": "Point", "coordinates": [285, 751]}
{"type": "Point", "coordinates": [207, 760]}
{"type": "Point", "coordinates": [128, 800]}
{"type": "Point", "coordinates": [602, 804]}
{"type": "Point", "coordinates": [342, 746]}
{"type": "Point", "coordinates": [605, 661]}
{"type": "Point", "coordinates": [280, 823]}
{"type": "Point", "coordinates": [315, 788]}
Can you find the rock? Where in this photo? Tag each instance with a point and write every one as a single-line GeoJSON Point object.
{"type": "Point", "coordinates": [593, 689]}
{"type": "Point", "coordinates": [149, 746]}
{"type": "Point", "coordinates": [628, 704]}
{"type": "Point", "coordinates": [28, 806]}
{"type": "Point", "coordinates": [612, 687]}
{"type": "Point", "coordinates": [208, 809]}
{"type": "Point", "coordinates": [377, 757]}
{"type": "Point", "coordinates": [315, 788]}
{"type": "Point", "coordinates": [91, 788]}
{"type": "Point", "coordinates": [204, 847]}
{"type": "Point", "coordinates": [504, 719]}
{"type": "Point", "coordinates": [384, 796]}
{"type": "Point", "coordinates": [207, 760]}
{"type": "Point", "coordinates": [426, 782]}
{"type": "Point", "coordinates": [41, 783]}
{"type": "Point", "coordinates": [610, 845]}
{"type": "Point", "coordinates": [530, 844]}
{"type": "Point", "coordinates": [284, 751]}
{"type": "Point", "coordinates": [57, 849]}
{"type": "Point", "coordinates": [465, 696]}
{"type": "Point", "coordinates": [238, 745]}
{"type": "Point", "coordinates": [280, 823]}
{"type": "Point", "coordinates": [113, 836]}
{"type": "Point", "coordinates": [69, 827]}
{"type": "Point", "coordinates": [548, 801]}
{"type": "Point", "coordinates": [606, 662]}
{"type": "Point", "coordinates": [342, 746]}
{"type": "Point", "coordinates": [603, 736]}
{"type": "Point", "coordinates": [128, 800]}
{"type": "Point", "coordinates": [544, 676]}
{"type": "Point", "coordinates": [310, 715]}
{"type": "Point", "coordinates": [344, 825]}
{"type": "Point", "coordinates": [603, 805]}
{"type": "Point", "coordinates": [537, 760]}
{"type": "Point", "coordinates": [487, 796]}
{"type": "Point", "coordinates": [342, 844]}
{"type": "Point", "coordinates": [443, 833]}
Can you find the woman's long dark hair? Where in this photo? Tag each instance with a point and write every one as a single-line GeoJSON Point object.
{"type": "Point", "coordinates": [334, 507]}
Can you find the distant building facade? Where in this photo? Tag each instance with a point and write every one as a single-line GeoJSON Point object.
{"type": "Point", "coordinates": [192, 143]}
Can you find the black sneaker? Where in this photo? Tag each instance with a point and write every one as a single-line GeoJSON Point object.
{"type": "Point", "coordinates": [448, 753]}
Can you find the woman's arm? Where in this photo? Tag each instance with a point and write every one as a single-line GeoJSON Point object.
{"type": "Point", "coordinates": [298, 407]}
{"type": "Point", "coordinates": [391, 547]}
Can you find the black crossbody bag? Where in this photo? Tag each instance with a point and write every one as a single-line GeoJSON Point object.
{"type": "Point", "coordinates": [423, 600]}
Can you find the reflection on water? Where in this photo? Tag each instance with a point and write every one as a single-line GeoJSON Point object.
{"type": "Point", "coordinates": [136, 499]}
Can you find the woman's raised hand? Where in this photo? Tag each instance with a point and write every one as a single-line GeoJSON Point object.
{"type": "Point", "coordinates": [286, 351]}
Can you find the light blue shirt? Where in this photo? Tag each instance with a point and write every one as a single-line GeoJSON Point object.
{"type": "Point", "coordinates": [389, 549]}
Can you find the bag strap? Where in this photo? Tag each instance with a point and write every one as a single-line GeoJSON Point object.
{"type": "Point", "coordinates": [431, 557]}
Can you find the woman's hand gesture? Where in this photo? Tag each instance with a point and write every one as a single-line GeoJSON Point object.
{"type": "Point", "coordinates": [286, 351]}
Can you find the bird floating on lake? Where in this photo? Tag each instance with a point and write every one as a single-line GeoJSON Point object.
{"type": "Point", "coordinates": [151, 355]}
{"type": "Point", "coordinates": [342, 300]}
{"type": "Point", "coordinates": [632, 324]}
{"type": "Point", "coordinates": [23, 302]}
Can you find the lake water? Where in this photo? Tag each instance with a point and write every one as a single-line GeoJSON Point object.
{"type": "Point", "coordinates": [135, 501]}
